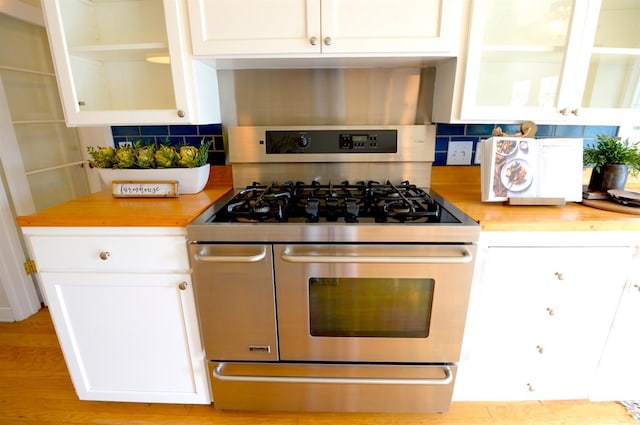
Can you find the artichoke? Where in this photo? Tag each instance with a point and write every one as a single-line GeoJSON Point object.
{"type": "Point", "coordinates": [102, 157]}
{"type": "Point", "coordinates": [125, 157]}
{"type": "Point", "coordinates": [188, 156]}
{"type": "Point", "coordinates": [145, 156]}
{"type": "Point", "coordinates": [165, 156]}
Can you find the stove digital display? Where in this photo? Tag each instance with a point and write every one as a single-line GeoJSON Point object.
{"type": "Point", "coordinates": [356, 141]}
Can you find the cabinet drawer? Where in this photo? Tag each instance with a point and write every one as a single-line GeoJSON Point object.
{"type": "Point", "coordinates": [110, 253]}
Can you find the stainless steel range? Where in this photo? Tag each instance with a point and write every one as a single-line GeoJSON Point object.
{"type": "Point", "coordinates": [333, 278]}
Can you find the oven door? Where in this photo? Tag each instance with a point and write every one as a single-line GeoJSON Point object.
{"type": "Point", "coordinates": [372, 303]}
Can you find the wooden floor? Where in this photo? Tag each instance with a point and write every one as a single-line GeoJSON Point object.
{"type": "Point", "coordinates": [35, 389]}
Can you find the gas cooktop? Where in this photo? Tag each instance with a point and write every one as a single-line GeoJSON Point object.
{"type": "Point", "coordinates": [345, 202]}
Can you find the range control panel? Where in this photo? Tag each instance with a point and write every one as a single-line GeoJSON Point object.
{"type": "Point", "coordinates": [331, 141]}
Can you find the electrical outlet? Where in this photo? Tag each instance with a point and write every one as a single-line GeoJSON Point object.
{"type": "Point", "coordinates": [459, 153]}
{"type": "Point", "coordinates": [124, 144]}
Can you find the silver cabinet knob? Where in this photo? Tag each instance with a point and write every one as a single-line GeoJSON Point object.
{"type": "Point", "coordinates": [181, 113]}
{"type": "Point", "coordinates": [564, 111]}
{"type": "Point", "coordinates": [530, 387]}
{"type": "Point", "coordinates": [637, 287]}
{"type": "Point", "coordinates": [182, 286]}
{"type": "Point", "coordinates": [313, 41]}
{"type": "Point", "coordinates": [328, 41]}
{"type": "Point", "coordinates": [540, 349]}
{"type": "Point", "coordinates": [550, 311]}
{"type": "Point", "coordinates": [104, 255]}
{"type": "Point", "coordinates": [559, 275]}
{"type": "Point", "coordinates": [576, 112]}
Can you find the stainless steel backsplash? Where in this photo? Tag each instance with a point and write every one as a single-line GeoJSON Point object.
{"type": "Point", "coordinates": [345, 96]}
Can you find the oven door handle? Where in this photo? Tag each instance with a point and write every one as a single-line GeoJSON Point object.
{"type": "Point", "coordinates": [447, 379]}
{"type": "Point", "coordinates": [464, 257]}
{"type": "Point", "coordinates": [254, 258]}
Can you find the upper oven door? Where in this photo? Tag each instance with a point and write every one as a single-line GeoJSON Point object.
{"type": "Point", "coordinates": [372, 303]}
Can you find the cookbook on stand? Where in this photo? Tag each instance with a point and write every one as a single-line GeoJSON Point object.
{"type": "Point", "coordinates": [515, 167]}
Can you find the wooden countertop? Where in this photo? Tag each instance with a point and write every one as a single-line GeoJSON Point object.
{"type": "Point", "coordinates": [102, 209]}
{"type": "Point", "coordinates": [461, 186]}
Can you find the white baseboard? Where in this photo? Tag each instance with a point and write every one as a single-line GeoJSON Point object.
{"type": "Point", "coordinates": [6, 315]}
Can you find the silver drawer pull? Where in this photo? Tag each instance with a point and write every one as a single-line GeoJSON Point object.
{"type": "Point", "coordinates": [104, 255]}
{"type": "Point", "coordinates": [231, 258]}
{"type": "Point", "coordinates": [447, 379]}
{"type": "Point", "coordinates": [464, 257]}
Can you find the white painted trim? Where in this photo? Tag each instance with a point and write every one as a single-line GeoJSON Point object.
{"type": "Point", "coordinates": [18, 286]}
{"type": "Point", "coordinates": [6, 315]}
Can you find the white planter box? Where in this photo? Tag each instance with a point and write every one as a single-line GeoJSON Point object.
{"type": "Point", "coordinates": [190, 180]}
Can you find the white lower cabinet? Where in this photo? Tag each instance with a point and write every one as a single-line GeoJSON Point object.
{"type": "Point", "coordinates": [127, 324]}
{"type": "Point", "coordinates": [540, 314]}
{"type": "Point", "coordinates": [618, 374]}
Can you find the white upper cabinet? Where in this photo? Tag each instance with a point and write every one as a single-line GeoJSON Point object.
{"type": "Point", "coordinates": [103, 50]}
{"type": "Point", "coordinates": [310, 28]}
{"type": "Point", "coordinates": [550, 61]}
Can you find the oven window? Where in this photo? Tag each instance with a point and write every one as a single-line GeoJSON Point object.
{"type": "Point", "coordinates": [370, 307]}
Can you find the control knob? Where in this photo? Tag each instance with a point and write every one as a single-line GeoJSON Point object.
{"type": "Point", "coordinates": [303, 141]}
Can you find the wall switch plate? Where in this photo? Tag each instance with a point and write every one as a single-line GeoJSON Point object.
{"type": "Point", "coordinates": [459, 153]}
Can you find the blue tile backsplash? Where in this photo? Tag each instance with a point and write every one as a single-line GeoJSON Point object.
{"type": "Point", "coordinates": [176, 135]}
{"type": "Point", "coordinates": [445, 133]}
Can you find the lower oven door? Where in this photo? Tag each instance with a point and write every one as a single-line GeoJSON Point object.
{"type": "Point", "coordinates": [236, 302]}
{"type": "Point", "coordinates": [372, 303]}
{"type": "Point", "coordinates": [332, 387]}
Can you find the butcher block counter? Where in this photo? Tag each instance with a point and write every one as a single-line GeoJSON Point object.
{"type": "Point", "coordinates": [458, 184]}
{"type": "Point", "coordinates": [461, 186]}
{"type": "Point", "coordinates": [102, 209]}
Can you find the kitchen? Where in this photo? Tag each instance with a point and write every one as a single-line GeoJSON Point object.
{"type": "Point", "coordinates": [120, 119]}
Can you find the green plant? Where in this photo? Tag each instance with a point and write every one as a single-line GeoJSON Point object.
{"type": "Point", "coordinates": [150, 155]}
{"type": "Point", "coordinates": [609, 150]}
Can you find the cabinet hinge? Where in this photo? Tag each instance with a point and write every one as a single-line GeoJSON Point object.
{"type": "Point", "coordinates": [30, 267]}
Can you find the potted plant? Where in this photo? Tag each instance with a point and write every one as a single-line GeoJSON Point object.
{"type": "Point", "coordinates": [142, 161]}
{"type": "Point", "coordinates": [612, 160]}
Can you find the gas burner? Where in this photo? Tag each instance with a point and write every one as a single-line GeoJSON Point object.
{"type": "Point", "coordinates": [259, 203]}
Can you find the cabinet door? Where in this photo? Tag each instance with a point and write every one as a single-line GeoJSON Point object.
{"type": "Point", "coordinates": [618, 374]}
{"type": "Point", "coordinates": [255, 27]}
{"type": "Point", "coordinates": [106, 56]}
{"type": "Point", "coordinates": [129, 337]}
{"type": "Point", "coordinates": [295, 28]}
{"type": "Point", "coordinates": [390, 28]}
{"type": "Point", "coordinates": [520, 59]}
{"type": "Point", "coordinates": [564, 61]}
{"type": "Point", "coordinates": [611, 90]}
